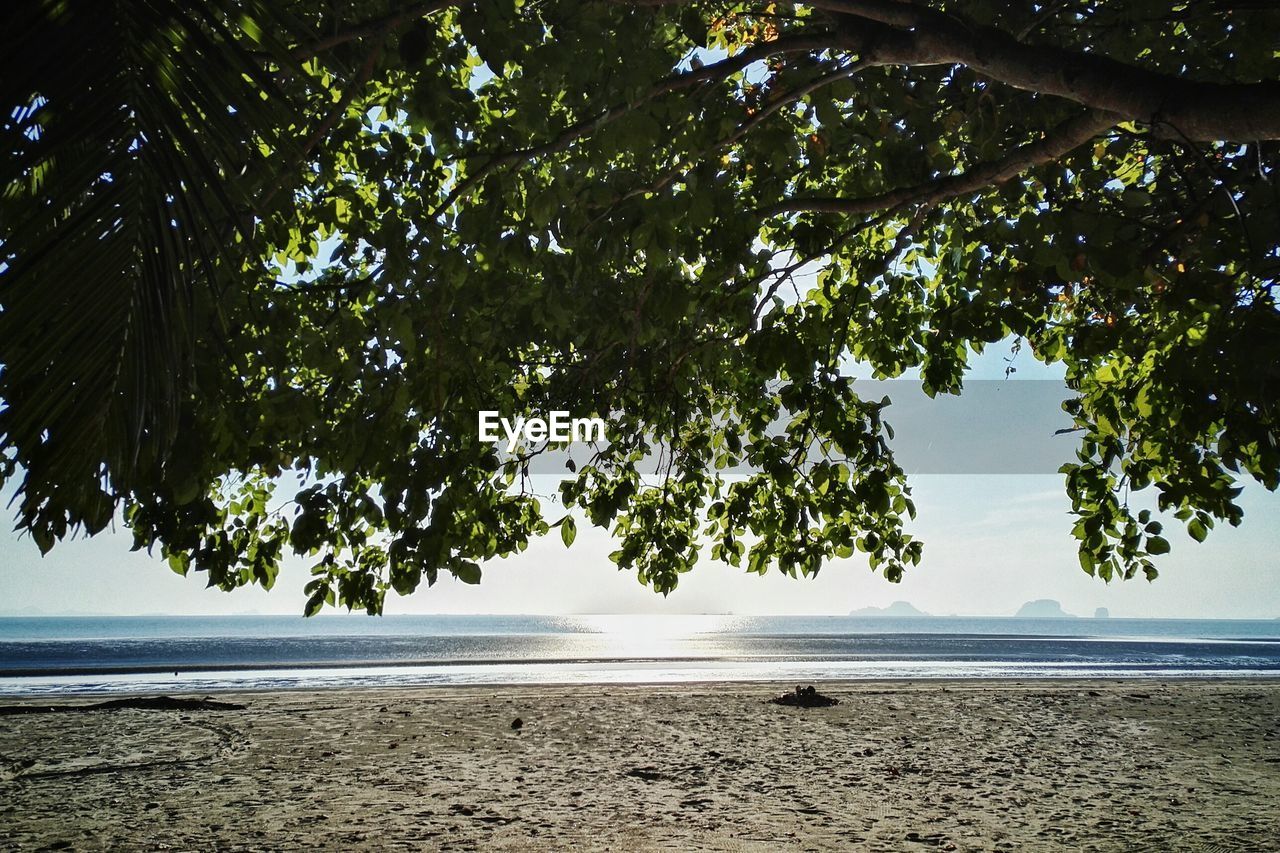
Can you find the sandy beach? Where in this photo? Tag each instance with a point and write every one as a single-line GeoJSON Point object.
{"type": "Point", "coordinates": [1138, 765]}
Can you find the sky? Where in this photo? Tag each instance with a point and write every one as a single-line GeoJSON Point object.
{"type": "Point", "coordinates": [993, 541]}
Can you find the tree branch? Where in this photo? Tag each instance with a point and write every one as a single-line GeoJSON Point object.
{"type": "Point", "coordinates": [1066, 136]}
{"type": "Point", "coordinates": [344, 101]}
{"type": "Point", "coordinates": [675, 83]}
{"type": "Point", "coordinates": [766, 112]}
{"type": "Point", "coordinates": [905, 33]}
{"type": "Point", "coordinates": [375, 27]}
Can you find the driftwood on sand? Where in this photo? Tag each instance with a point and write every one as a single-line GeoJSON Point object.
{"type": "Point", "coordinates": [146, 703]}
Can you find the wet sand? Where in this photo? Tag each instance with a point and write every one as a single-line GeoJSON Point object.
{"type": "Point", "coordinates": [1138, 765]}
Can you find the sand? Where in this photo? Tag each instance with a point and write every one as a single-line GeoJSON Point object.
{"type": "Point", "coordinates": [1137, 765]}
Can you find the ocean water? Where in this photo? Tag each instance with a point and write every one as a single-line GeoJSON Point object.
{"type": "Point", "coordinates": [41, 656]}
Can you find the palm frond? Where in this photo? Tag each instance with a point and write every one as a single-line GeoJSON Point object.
{"type": "Point", "coordinates": [135, 135]}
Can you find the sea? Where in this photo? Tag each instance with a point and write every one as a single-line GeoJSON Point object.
{"type": "Point", "coordinates": [112, 655]}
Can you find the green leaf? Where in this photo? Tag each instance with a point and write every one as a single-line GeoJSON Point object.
{"type": "Point", "coordinates": [466, 571]}
{"type": "Point", "coordinates": [316, 602]}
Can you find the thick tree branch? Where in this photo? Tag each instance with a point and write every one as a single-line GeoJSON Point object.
{"type": "Point", "coordinates": [910, 34]}
{"type": "Point", "coordinates": [905, 33]}
{"type": "Point", "coordinates": [1068, 135]}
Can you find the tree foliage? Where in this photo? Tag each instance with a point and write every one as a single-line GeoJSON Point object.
{"type": "Point", "coordinates": [602, 207]}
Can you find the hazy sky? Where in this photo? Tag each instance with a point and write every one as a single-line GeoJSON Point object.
{"type": "Point", "coordinates": [992, 542]}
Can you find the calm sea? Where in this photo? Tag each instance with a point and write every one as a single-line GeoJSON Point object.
{"type": "Point", "coordinates": [105, 655]}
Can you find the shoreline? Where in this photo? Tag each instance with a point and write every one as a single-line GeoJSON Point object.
{"type": "Point", "coordinates": [437, 663]}
{"type": "Point", "coordinates": [1259, 677]}
{"type": "Point", "coordinates": [1269, 677]}
{"type": "Point", "coordinates": [1025, 764]}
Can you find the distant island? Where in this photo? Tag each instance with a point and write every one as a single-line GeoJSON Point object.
{"type": "Point", "coordinates": [1102, 613]}
{"type": "Point", "coordinates": [1043, 608]}
{"type": "Point", "coordinates": [897, 609]}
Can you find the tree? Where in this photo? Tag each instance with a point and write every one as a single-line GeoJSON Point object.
{"type": "Point", "coordinates": [599, 207]}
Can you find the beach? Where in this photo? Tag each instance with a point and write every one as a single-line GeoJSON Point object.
{"type": "Point", "coordinates": [960, 765]}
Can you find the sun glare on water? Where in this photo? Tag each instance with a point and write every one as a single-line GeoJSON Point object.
{"type": "Point", "coordinates": [642, 635]}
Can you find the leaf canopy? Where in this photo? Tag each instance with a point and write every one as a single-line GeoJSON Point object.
{"type": "Point", "coordinates": [247, 245]}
